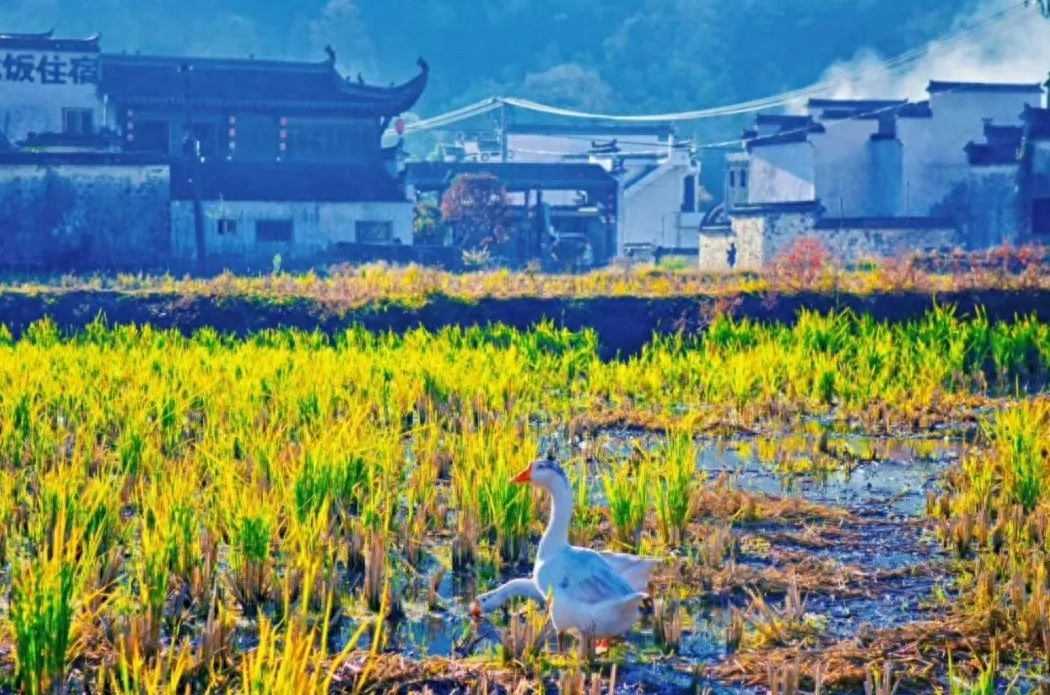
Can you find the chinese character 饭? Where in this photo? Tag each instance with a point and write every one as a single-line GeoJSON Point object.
{"type": "Point", "coordinates": [19, 68]}
{"type": "Point", "coordinates": [83, 70]}
{"type": "Point", "coordinates": [52, 70]}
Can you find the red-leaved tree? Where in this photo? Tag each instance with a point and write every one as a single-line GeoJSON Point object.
{"type": "Point", "coordinates": [475, 207]}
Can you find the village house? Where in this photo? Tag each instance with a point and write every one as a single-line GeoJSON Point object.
{"type": "Point", "coordinates": [874, 178]}
{"type": "Point", "coordinates": [657, 208]}
{"type": "Point", "coordinates": [240, 160]}
{"type": "Point", "coordinates": [556, 209]}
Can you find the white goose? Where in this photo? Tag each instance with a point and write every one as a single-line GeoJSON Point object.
{"type": "Point", "coordinates": [597, 594]}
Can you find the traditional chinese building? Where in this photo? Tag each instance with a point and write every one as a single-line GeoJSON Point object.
{"type": "Point", "coordinates": [49, 85]}
{"type": "Point", "coordinates": [262, 157]}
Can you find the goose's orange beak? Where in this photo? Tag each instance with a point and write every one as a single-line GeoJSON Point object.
{"type": "Point", "coordinates": [523, 477]}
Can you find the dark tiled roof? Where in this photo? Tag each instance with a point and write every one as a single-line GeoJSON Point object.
{"type": "Point", "coordinates": [47, 42]}
{"type": "Point", "coordinates": [936, 86]}
{"type": "Point", "coordinates": [784, 138]}
{"type": "Point", "coordinates": [604, 130]}
{"type": "Point", "coordinates": [287, 182]}
{"type": "Point", "coordinates": [1037, 123]}
{"type": "Point", "coordinates": [988, 154]}
{"type": "Point", "coordinates": [515, 176]}
{"type": "Point", "coordinates": [854, 104]}
{"type": "Point", "coordinates": [833, 223]}
{"type": "Point", "coordinates": [789, 122]}
{"type": "Point", "coordinates": [758, 209]}
{"type": "Point", "coordinates": [149, 80]}
{"type": "Point", "coordinates": [1003, 134]}
{"type": "Point", "coordinates": [915, 109]}
{"type": "Point", "coordinates": [15, 156]}
{"type": "Point", "coordinates": [873, 113]}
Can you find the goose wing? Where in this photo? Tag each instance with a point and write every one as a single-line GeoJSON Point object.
{"type": "Point", "coordinates": [588, 579]}
{"type": "Point", "coordinates": [634, 569]}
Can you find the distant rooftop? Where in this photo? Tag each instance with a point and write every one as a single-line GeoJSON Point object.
{"type": "Point", "coordinates": [854, 103]}
{"type": "Point", "coordinates": [991, 154]}
{"type": "Point", "coordinates": [1037, 123]}
{"type": "Point", "coordinates": [516, 176]}
{"type": "Point", "coordinates": [605, 130]}
{"type": "Point", "coordinates": [916, 109]}
{"type": "Point", "coordinates": [784, 138]}
{"type": "Point", "coordinates": [47, 42]}
{"type": "Point", "coordinates": [936, 86]}
{"type": "Point", "coordinates": [787, 123]}
{"type": "Point", "coordinates": [159, 80]}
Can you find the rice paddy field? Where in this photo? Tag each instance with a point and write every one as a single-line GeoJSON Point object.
{"type": "Point", "coordinates": [839, 505]}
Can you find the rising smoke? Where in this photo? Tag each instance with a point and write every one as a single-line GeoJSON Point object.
{"type": "Point", "coordinates": [1016, 49]}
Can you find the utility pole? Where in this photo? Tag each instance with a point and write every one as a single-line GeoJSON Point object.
{"type": "Point", "coordinates": [503, 130]}
{"type": "Point", "coordinates": [191, 149]}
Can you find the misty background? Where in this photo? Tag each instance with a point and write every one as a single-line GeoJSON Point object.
{"type": "Point", "coordinates": [610, 55]}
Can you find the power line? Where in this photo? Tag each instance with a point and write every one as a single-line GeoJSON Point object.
{"type": "Point", "coordinates": [893, 65]}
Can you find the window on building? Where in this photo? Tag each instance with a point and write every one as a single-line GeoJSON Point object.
{"type": "Point", "coordinates": [374, 232]}
{"type": "Point", "coordinates": [78, 121]}
{"type": "Point", "coordinates": [151, 136]}
{"type": "Point", "coordinates": [273, 231]}
{"type": "Point", "coordinates": [732, 178]}
{"type": "Point", "coordinates": [689, 194]}
{"type": "Point", "coordinates": [743, 178]}
{"type": "Point", "coordinates": [227, 227]}
{"type": "Point", "coordinates": [1041, 217]}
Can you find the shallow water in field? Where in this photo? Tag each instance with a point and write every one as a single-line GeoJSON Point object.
{"type": "Point", "coordinates": [885, 488]}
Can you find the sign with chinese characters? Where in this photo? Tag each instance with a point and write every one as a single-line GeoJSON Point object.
{"type": "Point", "coordinates": [49, 68]}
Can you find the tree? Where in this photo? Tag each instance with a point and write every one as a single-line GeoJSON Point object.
{"type": "Point", "coordinates": [426, 223]}
{"type": "Point", "coordinates": [475, 206]}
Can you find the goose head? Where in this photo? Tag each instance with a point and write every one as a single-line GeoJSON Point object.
{"type": "Point", "coordinates": [544, 473]}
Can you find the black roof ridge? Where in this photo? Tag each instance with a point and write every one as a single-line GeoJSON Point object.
{"type": "Point", "coordinates": [946, 85]}
{"type": "Point", "coordinates": [818, 101]}
{"type": "Point", "coordinates": [157, 59]}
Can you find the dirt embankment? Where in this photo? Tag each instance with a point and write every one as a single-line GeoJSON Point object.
{"type": "Point", "coordinates": [623, 325]}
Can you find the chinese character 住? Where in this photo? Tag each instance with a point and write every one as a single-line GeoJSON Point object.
{"type": "Point", "coordinates": [52, 70]}
{"type": "Point", "coordinates": [19, 68]}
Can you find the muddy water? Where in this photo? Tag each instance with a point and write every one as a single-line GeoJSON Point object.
{"type": "Point", "coordinates": [885, 488]}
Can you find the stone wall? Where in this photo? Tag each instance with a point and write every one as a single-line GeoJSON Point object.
{"type": "Point", "coordinates": [852, 244]}
{"type": "Point", "coordinates": [714, 249]}
{"type": "Point", "coordinates": [77, 217]}
{"type": "Point", "coordinates": [761, 237]}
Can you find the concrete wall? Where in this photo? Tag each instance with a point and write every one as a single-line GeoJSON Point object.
{"type": "Point", "coordinates": [934, 157]}
{"type": "Point", "coordinates": [81, 217]}
{"type": "Point", "coordinates": [843, 176]}
{"type": "Point", "coordinates": [36, 106]}
{"type": "Point", "coordinates": [317, 229]}
{"type": "Point", "coordinates": [652, 211]}
{"type": "Point", "coordinates": [986, 206]}
{"type": "Point", "coordinates": [782, 173]}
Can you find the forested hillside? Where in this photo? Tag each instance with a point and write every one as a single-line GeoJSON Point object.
{"type": "Point", "coordinates": [620, 55]}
